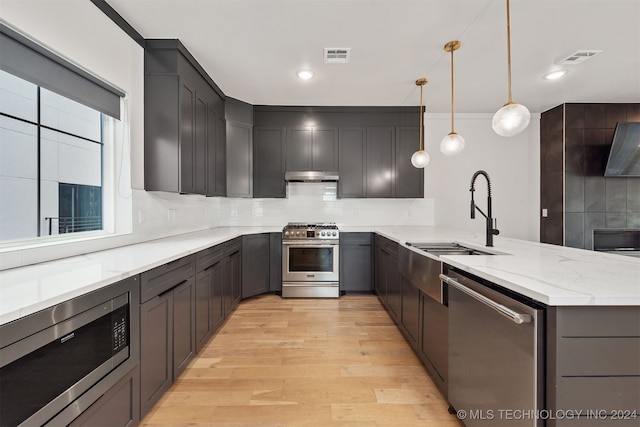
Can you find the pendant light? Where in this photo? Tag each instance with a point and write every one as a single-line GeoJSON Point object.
{"type": "Point", "coordinates": [420, 158]}
{"type": "Point", "coordinates": [512, 118]}
{"type": "Point", "coordinates": [453, 143]}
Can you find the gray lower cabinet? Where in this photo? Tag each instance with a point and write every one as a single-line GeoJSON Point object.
{"type": "Point", "coordinates": [209, 309]}
{"type": "Point", "coordinates": [410, 312]}
{"type": "Point", "coordinates": [255, 264]}
{"type": "Point", "coordinates": [184, 348]}
{"type": "Point", "coordinates": [356, 262]}
{"type": "Point", "coordinates": [118, 407]}
{"type": "Point", "coordinates": [593, 365]}
{"type": "Point", "coordinates": [275, 262]}
{"type": "Point", "coordinates": [167, 327]}
{"type": "Point", "coordinates": [434, 340]}
{"type": "Point", "coordinates": [232, 275]}
{"type": "Point", "coordinates": [268, 161]}
{"type": "Point", "coordinates": [388, 284]}
{"type": "Point", "coordinates": [156, 344]}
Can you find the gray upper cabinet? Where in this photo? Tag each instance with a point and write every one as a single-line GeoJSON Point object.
{"type": "Point", "coordinates": [268, 163]}
{"type": "Point", "coordinates": [380, 157]}
{"type": "Point", "coordinates": [239, 138]}
{"type": "Point", "coordinates": [352, 168]}
{"type": "Point", "coordinates": [298, 149]}
{"type": "Point", "coordinates": [183, 123]}
{"type": "Point", "coordinates": [409, 180]}
{"type": "Point", "coordinates": [312, 148]}
{"type": "Point", "coordinates": [324, 149]}
{"type": "Point", "coordinates": [220, 169]}
{"type": "Point", "coordinates": [370, 147]}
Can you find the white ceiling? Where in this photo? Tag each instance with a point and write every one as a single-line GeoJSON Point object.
{"type": "Point", "coordinates": [253, 48]}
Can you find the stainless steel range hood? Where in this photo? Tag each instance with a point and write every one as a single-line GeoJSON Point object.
{"type": "Point", "coordinates": [310, 176]}
{"type": "Point", "coordinates": [624, 157]}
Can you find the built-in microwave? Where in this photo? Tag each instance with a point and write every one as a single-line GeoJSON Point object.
{"type": "Point", "coordinates": [46, 370]}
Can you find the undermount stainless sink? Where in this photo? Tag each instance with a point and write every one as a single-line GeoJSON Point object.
{"type": "Point", "coordinates": [447, 248]}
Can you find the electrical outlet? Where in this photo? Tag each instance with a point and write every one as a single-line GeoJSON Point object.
{"type": "Point", "coordinates": [545, 213]}
{"type": "Point", "coordinates": [171, 214]}
{"type": "Point", "coordinates": [140, 216]}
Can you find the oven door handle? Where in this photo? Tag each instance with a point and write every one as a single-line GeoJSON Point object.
{"type": "Point", "coordinates": [310, 244]}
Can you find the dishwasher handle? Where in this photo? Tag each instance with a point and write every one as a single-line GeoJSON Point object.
{"type": "Point", "coordinates": [515, 317]}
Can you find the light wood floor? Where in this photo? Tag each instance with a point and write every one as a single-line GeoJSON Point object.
{"type": "Point", "coordinates": [312, 362]}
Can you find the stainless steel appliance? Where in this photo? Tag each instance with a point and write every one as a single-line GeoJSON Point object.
{"type": "Point", "coordinates": [496, 362]}
{"type": "Point", "coordinates": [617, 241]}
{"type": "Point", "coordinates": [310, 260]}
{"type": "Point", "coordinates": [57, 362]}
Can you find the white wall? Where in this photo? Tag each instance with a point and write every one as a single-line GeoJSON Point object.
{"type": "Point", "coordinates": [513, 165]}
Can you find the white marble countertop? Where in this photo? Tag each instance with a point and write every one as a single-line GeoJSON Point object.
{"type": "Point", "coordinates": [553, 275]}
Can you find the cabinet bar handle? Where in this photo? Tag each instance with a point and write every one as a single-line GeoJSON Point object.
{"type": "Point", "coordinates": [515, 317]}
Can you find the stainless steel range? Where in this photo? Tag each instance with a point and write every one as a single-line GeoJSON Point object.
{"type": "Point", "coordinates": [310, 260]}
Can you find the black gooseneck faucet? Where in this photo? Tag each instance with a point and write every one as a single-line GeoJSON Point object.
{"type": "Point", "coordinates": [491, 222]}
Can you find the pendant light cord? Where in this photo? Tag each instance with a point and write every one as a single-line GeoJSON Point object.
{"type": "Point", "coordinates": [452, 109]}
{"type": "Point", "coordinates": [421, 122]}
{"type": "Point", "coordinates": [510, 101]}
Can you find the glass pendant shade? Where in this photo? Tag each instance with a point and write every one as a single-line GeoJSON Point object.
{"type": "Point", "coordinates": [420, 159]}
{"type": "Point", "coordinates": [452, 144]}
{"type": "Point", "coordinates": [511, 119]}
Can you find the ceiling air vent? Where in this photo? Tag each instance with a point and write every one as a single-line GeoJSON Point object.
{"type": "Point", "coordinates": [578, 57]}
{"type": "Point", "coordinates": [337, 55]}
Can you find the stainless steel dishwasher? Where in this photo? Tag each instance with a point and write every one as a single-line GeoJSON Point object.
{"type": "Point", "coordinates": [496, 363]}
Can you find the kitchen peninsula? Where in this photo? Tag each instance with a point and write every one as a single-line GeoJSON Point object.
{"type": "Point", "coordinates": [580, 289]}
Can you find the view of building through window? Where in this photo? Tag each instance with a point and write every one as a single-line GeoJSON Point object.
{"type": "Point", "coordinates": [50, 162]}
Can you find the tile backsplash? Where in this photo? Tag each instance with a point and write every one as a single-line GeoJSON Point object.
{"type": "Point", "coordinates": [318, 202]}
{"type": "Point", "coordinates": [167, 214]}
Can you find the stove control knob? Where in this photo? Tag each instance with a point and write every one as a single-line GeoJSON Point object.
{"type": "Point", "coordinates": [322, 233]}
{"type": "Point", "coordinates": [297, 233]}
{"type": "Point", "coordinates": [286, 234]}
{"type": "Point", "coordinates": [334, 233]}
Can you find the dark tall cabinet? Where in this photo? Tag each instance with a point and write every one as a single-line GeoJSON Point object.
{"type": "Point", "coordinates": [184, 123]}
{"type": "Point", "coordinates": [575, 196]}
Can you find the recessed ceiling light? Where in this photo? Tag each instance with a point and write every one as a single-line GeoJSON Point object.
{"type": "Point", "coordinates": [305, 74]}
{"type": "Point", "coordinates": [554, 75]}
